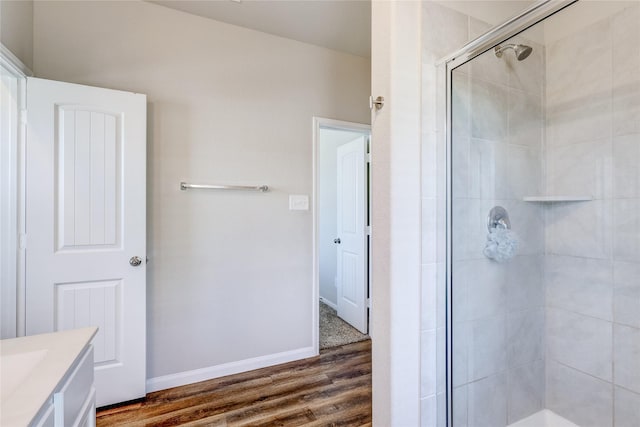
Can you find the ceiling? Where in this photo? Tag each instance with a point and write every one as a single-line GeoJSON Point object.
{"type": "Point", "coordinates": [343, 25]}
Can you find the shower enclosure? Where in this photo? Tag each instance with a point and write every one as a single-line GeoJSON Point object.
{"type": "Point", "coordinates": [542, 219]}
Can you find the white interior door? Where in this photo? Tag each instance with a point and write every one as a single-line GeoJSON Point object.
{"type": "Point", "coordinates": [352, 237]}
{"type": "Point", "coordinates": [85, 221]}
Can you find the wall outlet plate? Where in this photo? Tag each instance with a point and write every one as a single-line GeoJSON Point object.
{"type": "Point", "coordinates": [298, 202]}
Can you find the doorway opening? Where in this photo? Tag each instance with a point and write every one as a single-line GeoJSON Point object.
{"type": "Point", "coordinates": [341, 232]}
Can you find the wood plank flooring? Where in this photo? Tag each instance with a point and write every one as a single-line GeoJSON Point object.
{"type": "Point", "coordinates": [333, 389]}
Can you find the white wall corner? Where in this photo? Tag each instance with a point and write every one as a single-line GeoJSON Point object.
{"type": "Point", "coordinates": [396, 213]}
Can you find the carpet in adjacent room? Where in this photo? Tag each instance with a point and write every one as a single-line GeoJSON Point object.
{"type": "Point", "coordinates": [334, 331]}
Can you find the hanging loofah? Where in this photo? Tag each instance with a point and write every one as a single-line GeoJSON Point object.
{"type": "Point", "coordinates": [502, 244]}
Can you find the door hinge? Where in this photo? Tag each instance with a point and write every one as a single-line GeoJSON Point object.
{"type": "Point", "coordinates": [23, 117]}
{"type": "Point", "coordinates": [368, 230]}
{"type": "Point", "coordinates": [368, 157]}
{"type": "Point", "coordinates": [22, 241]}
{"type": "Point", "coordinates": [368, 302]}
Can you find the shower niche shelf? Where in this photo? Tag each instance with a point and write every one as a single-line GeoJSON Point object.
{"type": "Point", "coordinates": [557, 199]}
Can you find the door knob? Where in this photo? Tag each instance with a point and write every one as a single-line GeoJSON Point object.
{"type": "Point", "coordinates": [337, 241]}
{"type": "Point", "coordinates": [135, 261]}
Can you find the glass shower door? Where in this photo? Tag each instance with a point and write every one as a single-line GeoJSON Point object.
{"type": "Point", "coordinates": [498, 238]}
{"type": "Point", "coordinates": [545, 225]}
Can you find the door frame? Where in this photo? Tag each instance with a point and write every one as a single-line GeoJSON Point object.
{"type": "Point", "coordinates": [318, 123]}
{"type": "Point", "coordinates": [15, 304]}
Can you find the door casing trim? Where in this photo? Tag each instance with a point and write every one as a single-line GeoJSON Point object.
{"type": "Point", "coordinates": [16, 303]}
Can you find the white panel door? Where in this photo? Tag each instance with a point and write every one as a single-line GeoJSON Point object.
{"type": "Point", "coordinates": [85, 203]}
{"type": "Point", "coordinates": [351, 240]}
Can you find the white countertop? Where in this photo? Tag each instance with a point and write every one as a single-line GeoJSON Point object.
{"type": "Point", "coordinates": [32, 367]}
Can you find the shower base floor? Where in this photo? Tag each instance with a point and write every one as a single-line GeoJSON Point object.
{"type": "Point", "coordinates": [544, 418]}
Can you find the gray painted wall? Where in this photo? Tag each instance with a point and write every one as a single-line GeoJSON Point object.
{"type": "Point", "coordinates": [230, 276]}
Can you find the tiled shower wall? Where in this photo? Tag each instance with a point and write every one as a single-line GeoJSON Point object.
{"type": "Point", "coordinates": [593, 248]}
{"type": "Point", "coordinates": [443, 31]}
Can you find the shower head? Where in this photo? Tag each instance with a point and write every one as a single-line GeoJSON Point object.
{"type": "Point", "coordinates": [522, 50]}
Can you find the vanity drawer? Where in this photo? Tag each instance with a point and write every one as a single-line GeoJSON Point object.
{"type": "Point", "coordinates": [71, 398]}
{"type": "Point", "coordinates": [87, 417]}
{"type": "Point", "coordinates": [46, 419]}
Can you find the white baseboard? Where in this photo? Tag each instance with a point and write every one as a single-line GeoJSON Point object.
{"type": "Point", "coordinates": [329, 303]}
{"type": "Point", "coordinates": [203, 374]}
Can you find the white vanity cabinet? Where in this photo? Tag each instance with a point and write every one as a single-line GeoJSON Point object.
{"type": "Point", "coordinates": [51, 383]}
{"type": "Point", "coordinates": [73, 402]}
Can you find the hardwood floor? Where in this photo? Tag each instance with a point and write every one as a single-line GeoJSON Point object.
{"type": "Point", "coordinates": [333, 389]}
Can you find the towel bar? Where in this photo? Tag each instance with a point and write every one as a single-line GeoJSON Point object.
{"type": "Point", "coordinates": [186, 186]}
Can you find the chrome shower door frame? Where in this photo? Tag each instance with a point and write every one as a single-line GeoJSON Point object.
{"type": "Point", "coordinates": [495, 36]}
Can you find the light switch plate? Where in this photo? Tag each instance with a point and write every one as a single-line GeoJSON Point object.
{"type": "Point", "coordinates": [298, 202]}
